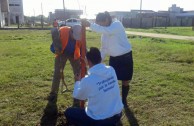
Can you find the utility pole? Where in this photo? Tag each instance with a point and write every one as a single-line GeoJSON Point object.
{"type": "Point", "coordinates": [140, 13]}
{"type": "Point", "coordinates": [42, 16]}
{"type": "Point", "coordinates": [193, 23]}
{"type": "Point", "coordinates": [34, 17]}
{"type": "Point", "coordinates": [140, 5]}
{"type": "Point", "coordinates": [64, 8]}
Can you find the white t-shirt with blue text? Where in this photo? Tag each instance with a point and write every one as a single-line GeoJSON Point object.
{"type": "Point", "coordinates": [100, 87]}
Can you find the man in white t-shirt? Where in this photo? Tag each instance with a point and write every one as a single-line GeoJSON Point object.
{"type": "Point", "coordinates": [101, 90]}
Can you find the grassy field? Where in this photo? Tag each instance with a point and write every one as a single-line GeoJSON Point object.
{"type": "Point", "coordinates": [162, 89]}
{"type": "Point", "coordinates": [185, 31]}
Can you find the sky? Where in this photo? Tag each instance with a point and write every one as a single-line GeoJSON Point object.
{"type": "Point", "coordinates": [92, 7]}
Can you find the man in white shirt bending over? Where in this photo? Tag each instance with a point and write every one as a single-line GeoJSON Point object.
{"type": "Point", "coordinates": [100, 88]}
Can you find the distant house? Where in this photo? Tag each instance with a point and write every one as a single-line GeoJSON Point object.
{"type": "Point", "coordinates": [4, 9]}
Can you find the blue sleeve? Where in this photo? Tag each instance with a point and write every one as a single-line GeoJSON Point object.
{"type": "Point", "coordinates": [52, 49]}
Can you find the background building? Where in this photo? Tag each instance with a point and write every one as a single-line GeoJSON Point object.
{"type": "Point", "coordinates": [61, 14]}
{"type": "Point", "coordinates": [4, 9]}
{"type": "Point", "coordinates": [174, 16]}
{"type": "Point", "coordinates": [16, 11]}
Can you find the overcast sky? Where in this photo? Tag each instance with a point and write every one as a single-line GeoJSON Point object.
{"type": "Point", "coordinates": [91, 7]}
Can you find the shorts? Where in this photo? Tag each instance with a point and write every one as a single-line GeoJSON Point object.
{"type": "Point", "coordinates": [123, 66]}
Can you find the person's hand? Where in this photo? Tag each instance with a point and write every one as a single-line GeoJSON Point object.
{"type": "Point", "coordinates": [85, 23]}
{"type": "Point", "coordinates": [57, 51]}
{"type": "Point", "coordinates": [77, 77]}
{"type": "Point", "coordinates": [84, 59]}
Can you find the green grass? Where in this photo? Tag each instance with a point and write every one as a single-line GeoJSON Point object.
{"type": "Point", "coordinates": [185, 31]}
{"type": "Point", "coordinates": [161, 90]}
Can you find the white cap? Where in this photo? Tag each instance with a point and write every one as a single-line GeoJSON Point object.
{"type": "Point", "coordinates": [77, 32]}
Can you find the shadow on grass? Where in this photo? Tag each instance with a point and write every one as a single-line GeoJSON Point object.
{"type": "Point", "coordinates": [130, 117]}
{"type": "Point", "coordinates": [49, 117]}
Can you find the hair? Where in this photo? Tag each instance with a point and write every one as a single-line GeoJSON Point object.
{"type": "Point", "coordinates": [101, 17]}
{"type": "Point", "coordinates": [94, 56]}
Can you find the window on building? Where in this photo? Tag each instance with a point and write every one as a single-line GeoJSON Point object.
{"type": "Point", "coordinates": [14, 5]}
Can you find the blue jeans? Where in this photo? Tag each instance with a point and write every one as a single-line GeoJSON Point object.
{"type": "Point", "coordinates": [78, 117]}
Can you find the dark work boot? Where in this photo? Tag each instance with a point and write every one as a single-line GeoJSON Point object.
{"type": "Point", "coordinates": [125, 91]}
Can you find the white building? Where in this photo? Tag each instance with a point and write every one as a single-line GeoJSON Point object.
{"type": "Point", "coordinates": [16, 11]}
{"type": "Point", "coordinates": [4, 9]}
{"type": "Point", "coordinates": [175, 9]}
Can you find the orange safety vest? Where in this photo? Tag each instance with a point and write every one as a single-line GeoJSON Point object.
{"type": "Point", "coordinates": [64, 37]}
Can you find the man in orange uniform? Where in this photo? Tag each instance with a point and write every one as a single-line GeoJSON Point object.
{"type": "Point", "coordinates": [68, 48]}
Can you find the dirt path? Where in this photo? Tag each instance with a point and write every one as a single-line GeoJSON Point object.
{"type": "Point", "coordinates": [155, 35]}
